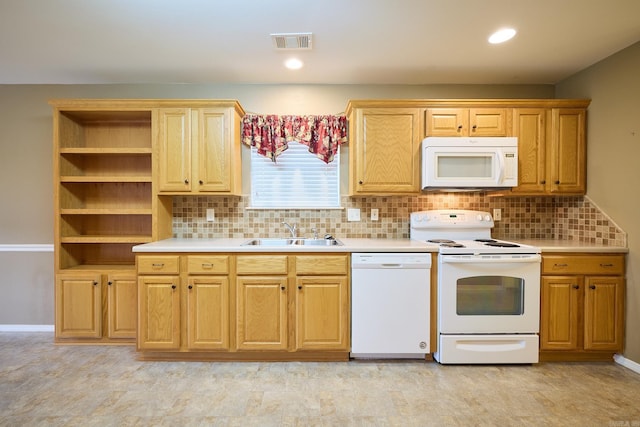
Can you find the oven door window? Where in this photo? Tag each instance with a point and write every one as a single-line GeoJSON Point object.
{"type": "Point", "coordinates": [490, 296]}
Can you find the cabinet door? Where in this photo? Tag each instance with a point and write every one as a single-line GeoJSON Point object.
{"type": "Point", "coordinates": [604, 313]}
{"type": "Point", "coordinates": [561, 307]}
{"type": "Point", "coordinates": [174, 149]}
{"type": "Point", "coordinates": [159, 315]}
{"type": "Point", "coordinates": [447, 122]}
{"type": "Point", "coordinates": [322, 313]}
{"type": "Point", "coordinates": [261, 313]}
{"type": "Point", "coordinates": [208, 313]}
{"type": "Point", "coordinates": [530, 128]}
{"type": "Point", "coordinates": [78, 306]}
{"type": "Point", "coordinates": [488, 122]}
{"type": "Point", "coordinates": [387, 151]}
{"type": "Point", "coordinates": [212, 150]}
{"type": "Point", "coordinates": [568, 151]}
{"type": "Point", "coordinates": [122, 302]}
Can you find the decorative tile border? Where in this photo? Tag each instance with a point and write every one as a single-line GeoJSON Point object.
{"type": "Point", "coordinates": [570, 218]}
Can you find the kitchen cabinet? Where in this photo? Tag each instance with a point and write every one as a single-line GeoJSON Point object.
{"type": "Point", "coordinates": [582, 306]}
{"type": "Point", "coordinates": [80, 299]}
{"type": "Point", "coordinates": [467, 121]}
{"type": "Point", "coordinates": [199, 149]}
{"type": "Point", "coordinates": [384, 149]}
{"type": "Point", "coordinates": [322, 302]}
{"type": "Point", "coordinates": [262, 301]}
{"type": "Point", "coordinates": [551, 151]}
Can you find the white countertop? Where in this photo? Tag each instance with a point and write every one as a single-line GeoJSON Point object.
{"type": "Point", "coordinates": [235, 245]}
{"type": "Point", "coordinates": [354, 245]}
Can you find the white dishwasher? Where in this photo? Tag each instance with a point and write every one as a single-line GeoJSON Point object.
{"type": "Point", "coordinates": [390, 305]}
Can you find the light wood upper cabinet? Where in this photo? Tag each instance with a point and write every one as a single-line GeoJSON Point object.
{"type": "Point", "coordinates": [567, 160]}
{"type": "Point", "coordinates": [467, 122]}
{"type": "Point", "coordinates": [199, 150]}
{"type": "Point", "coordinates": [551, 151]}
{"type": "Point", "coordinates": [384, 150]}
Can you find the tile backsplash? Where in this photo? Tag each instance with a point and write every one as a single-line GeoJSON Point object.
{"type": "Point", "coordinates": [571, 218]}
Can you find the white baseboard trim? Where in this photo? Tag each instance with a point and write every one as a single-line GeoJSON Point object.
{"type": "Point", "coordinates": [627, 363]}
{"type": "Point", "coordinates": [26, 248]}
{"type": "Point", "coordinates": [26, 328]}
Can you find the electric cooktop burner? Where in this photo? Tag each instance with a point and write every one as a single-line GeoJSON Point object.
{"type": "Point", "coordinates": [503, 245]}
{"type": "Point", "coordinates": [485, 240]}
{"type": "Point", "coordinates": [440, 241]}
{"type": "Point", "coordinates": [452, 245]}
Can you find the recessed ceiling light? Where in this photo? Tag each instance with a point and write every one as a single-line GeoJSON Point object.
{"type": "Point", "coordinates": [293, 64]}
{"type": "Point", "coordinates": [502, 35]}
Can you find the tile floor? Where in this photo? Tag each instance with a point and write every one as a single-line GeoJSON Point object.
{"type": "Point", "coordinates": [42, 384]}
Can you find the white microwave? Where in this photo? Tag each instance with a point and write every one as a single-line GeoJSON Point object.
{"type": "Point", "coordinates": [451, 163]}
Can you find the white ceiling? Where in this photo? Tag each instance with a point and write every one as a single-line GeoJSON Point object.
{"type": "Point", "coordinates": [354, 41]}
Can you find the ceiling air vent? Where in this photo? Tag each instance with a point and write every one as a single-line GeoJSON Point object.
{"type": "Point", "coordinates": [292, 40]}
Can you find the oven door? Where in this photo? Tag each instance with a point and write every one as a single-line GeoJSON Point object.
{"type": "Point", "coordinates": [489, 294]}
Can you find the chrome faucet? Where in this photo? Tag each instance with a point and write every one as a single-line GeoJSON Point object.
{"type": "Point", "coordinates": [293, 230]}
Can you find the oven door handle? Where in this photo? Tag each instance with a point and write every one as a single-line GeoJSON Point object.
{"type": "Point", "coordinates": [489, 260]}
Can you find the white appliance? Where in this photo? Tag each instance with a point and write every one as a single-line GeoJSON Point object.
{"type": "Point", "coordinates": [488, 289]}
{"type": "Point", "coordinates": [390, 305]}
{"type": "Point", "coordinates": [459, 163]}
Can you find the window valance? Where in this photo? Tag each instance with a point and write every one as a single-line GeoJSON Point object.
{"type": "Point", "coordinates": [269, 134]}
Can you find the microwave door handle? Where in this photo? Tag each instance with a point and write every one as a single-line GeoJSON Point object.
{"type": "Point", "coordinates": [500, 155]}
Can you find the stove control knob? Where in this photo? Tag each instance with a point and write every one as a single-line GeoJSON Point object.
{"type": "Point", "coordinates": [479, 217]}
{"type": "Point", "coordinates": [487, 218]}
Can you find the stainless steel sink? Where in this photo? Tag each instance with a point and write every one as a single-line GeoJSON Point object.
{"type": "Point", "coordinates": [292, 242]}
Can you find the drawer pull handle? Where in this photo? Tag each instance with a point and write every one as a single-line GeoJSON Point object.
{"type": "Point", "coordinates": [560, 265]}
{"type": "Point", "coordinates": [157, 265]}
{"type": "Point", "coordinates": [207, 265]}
{"type": "Point", "coordinates": [606, 265]}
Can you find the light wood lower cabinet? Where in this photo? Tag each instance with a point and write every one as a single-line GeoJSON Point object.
{"type": "Point", "coordinates": [582, 306]}
{"type": "Point", "coordinates": [91, 306]}
{"type": "Point", "coordinates": [244, 306]}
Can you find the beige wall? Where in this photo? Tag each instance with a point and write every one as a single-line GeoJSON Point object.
{"type": "Point", "coordinates": [613, 154]}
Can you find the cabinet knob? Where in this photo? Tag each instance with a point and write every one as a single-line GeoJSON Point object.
{"type": "Point", "coordinates": [592, 286]}
{"type": "Point", "coordinates": [474, 127]}
{"type": "Point", "coordinates": [173, 286]}
{"type": "Point", "coordinates": [190, 286]}
{"type": "Point", "coordinates": [283, 288]}
{"type": "Point", "coordinates": [109, 283]}
{"type": "Point", "coordinates": [459, 128]}
{"type": "Point", "coordinates": [200, 182]}
{"type": "Point", "coordinates": [95, 283]}
{"type": "Point", "coordinates": [186, 181]}
{"type": "Point", "coordinates": [300, 287]}
{"type": "Point", "coordinates": [360, 182]}
{"type": "Point", "coordinates": [576, 286]}
{"type": "Point", "coordinates": [543, 182]}
{"type": "Point", "coordinates": [557, 182]}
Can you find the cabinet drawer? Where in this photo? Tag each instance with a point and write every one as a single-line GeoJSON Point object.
{"type": "Point", "coordinates": [321, 264]}
{"type": "Point", "coordinates": [586, 264]}
{"type": "Point", "coordinates": [158, 264]}
{"type": "Point", "coordinates": [208, 264]}
{"type": "Point", "coordinates": [262, 264]}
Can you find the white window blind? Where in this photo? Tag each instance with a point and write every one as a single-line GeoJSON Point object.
{"type": "Point", "coordinates": [297, 180]}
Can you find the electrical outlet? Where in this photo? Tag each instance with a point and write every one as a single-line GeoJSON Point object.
{"type": "Point", "coordinates": [497, 214]}
{"type": "Point", "coordinates": [211, 215]}
{"type": "Point", "coordinates": [353, 214]}
{"type": "Point", "coordinates": [374, 214]}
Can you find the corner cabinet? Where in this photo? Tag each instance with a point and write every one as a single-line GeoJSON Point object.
{"type": "Point", "coordinates": [199, 149]}
{"type": "Point", "coordinates": [384, 148]}
{"type": "Point", "coordinates": [582, 306]}
{"type": "Point", "coordinates": [243, 306]}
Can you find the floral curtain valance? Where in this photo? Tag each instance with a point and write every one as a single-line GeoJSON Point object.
{"type": "Point", "coordinates": [270, 134]}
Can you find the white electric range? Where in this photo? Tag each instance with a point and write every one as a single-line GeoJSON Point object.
{"type": "Point", "coordinates": [488, 289]}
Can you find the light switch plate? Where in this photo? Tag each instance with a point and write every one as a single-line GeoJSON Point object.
{"type": "Point", "coordinates": [353, 214]}
{"type": "Point", "coordinates": [211, 215]}
{"type": "Point", "coordinates": [374, 214]}
{"type": "Point", "coordinates": [497, 214]}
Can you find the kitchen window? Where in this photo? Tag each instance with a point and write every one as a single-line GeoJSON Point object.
{"type": "Point", "coordinates": [297, 180]}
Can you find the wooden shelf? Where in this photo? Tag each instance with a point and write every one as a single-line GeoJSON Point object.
{"type": "Point", "coordinates": [137, 239]}
{"type": "Point", "coordinates": [100, 267]}
{"type": "Point", "coordinates": [105, 151]}
{"type": "Point", "coordinates": [96, 178]}
{"type": "Point", "coordinates": [107, 211]}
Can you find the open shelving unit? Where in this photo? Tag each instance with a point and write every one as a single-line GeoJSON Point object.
{"type": "Point", "coordinates": [103, 193]}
